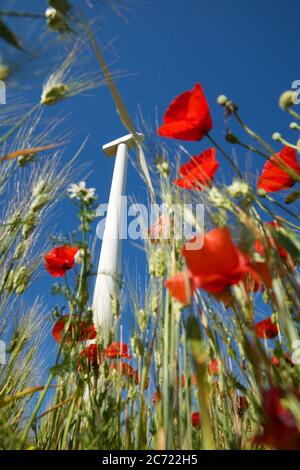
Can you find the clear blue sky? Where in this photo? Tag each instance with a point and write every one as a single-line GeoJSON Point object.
{"type": "Point", "coordinates": [245, 49]}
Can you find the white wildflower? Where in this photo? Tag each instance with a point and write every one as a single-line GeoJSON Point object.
{"type": "Point", "coordinates": [79, 257]}
{"type": "Point", "coordinates": [81, 192]}
{"type": "Point", "coordinates": [239, 188]}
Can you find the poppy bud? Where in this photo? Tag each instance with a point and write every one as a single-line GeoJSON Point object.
{"type": "Point", "coordinates": [261, 192]}
{"type": "Point", "coordinates": [277, 136]}
{"type": "Point", "coordinates": [232, 138]}
{"type": "Point", "coordinates": [286, 100]}
{"type": "Point", "coordinates": [222, 100]}
{"type": "Point", "coordinates": [229, 106]}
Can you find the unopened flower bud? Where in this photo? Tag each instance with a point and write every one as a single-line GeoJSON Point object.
{"type": "Point", "coordinates": [222, 100]}
{"type": "Point", "coordinates": [286, 100]}
{"type": "Point", "coordinates": [261, 192]}
{"type": "Point", "coordinates": [276, 136]}
{"type": "Point", "coordinates": [232, 138]}
{"type": "Point", "coordinates": [294, 125]}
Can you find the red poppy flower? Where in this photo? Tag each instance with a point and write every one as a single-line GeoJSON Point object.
{"type": "Point", "coordinates": [274, 177]}
{"type": "Point", "coordinates": [199, 171]}
{"type": "Point", "coordinates": [116, 350]}
{"type": "Point", "coordinates": [77, 331]}
{"type": "Point", "coordinates": [181, 287]}
{"type": "Point", "coordinates": [92, 355]}
{"type": "Point", "coordinates": [60, 259]}
{"type": "Point", "coordinates": [216, 266]}
{"type": "Point", "coordinates": [187, 117]}
{"type": "Point", "coordinates": [219, 264]}
{"type": "Point", "coordinates": [280, 429]}
{"type": "Point", "coordinates": [126, 370]}
{"type": "Point", "coordinates": [196, 419]}
{"type": "Point", "coordinates": [267, 329]}
{"type": "Point", "coordinates": [214, 367]}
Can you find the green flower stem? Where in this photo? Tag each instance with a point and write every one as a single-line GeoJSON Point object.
{"type": "Point", "coordinates": [82, 294]}
{"type": "Point", "coordinates": [278, 204]}
{"type": "Point", "coordinates": [279, 162]}
{"type": "Point", "coordinates": [293, 113]}
{"type": "Point", "coordinates": [228, 158]}
{"type": "Point", "coordinates": [271, 214]}
{"type": "Point", "coordinates": [285, 142]}
{"type": "Point", "coordinates": [252, 133]}
{"type": "Point", "coordinates": [253, 149]}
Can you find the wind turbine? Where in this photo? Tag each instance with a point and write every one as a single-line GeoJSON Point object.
{"type": "Point", "coordinates": [110, 261]}
{"type": "Point", "coordinates": [109, 267]}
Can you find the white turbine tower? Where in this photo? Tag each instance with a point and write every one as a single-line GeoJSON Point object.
{"type": "Point", "coordinates": [109, 268]}
{"type": "Point", "coordinates": [108, 274]}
